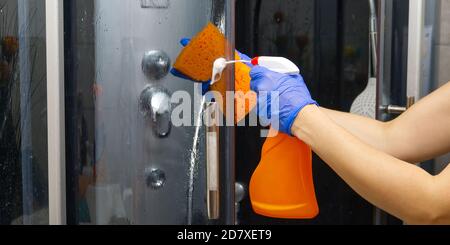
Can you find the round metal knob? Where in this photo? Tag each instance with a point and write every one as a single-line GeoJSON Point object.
{"type": "Point", "coordinates": [155, 103]}
{"type": "Point", "coordinates": [240, 192]}
{"type": "Point", "coordinates": [155, 178]}
{"type": "Point", "coordinates": [156, 64]}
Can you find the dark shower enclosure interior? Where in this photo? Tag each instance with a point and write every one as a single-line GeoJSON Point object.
{"type": "Point", "coordinates": [329, 40]}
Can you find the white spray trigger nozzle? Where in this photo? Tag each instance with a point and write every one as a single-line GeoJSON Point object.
{"type": "Point", "coordinates": [219, 65]}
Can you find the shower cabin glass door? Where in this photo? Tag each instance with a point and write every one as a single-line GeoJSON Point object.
{"type": "Point", "coordinates": [128, 162]}
{"type": "Point", "coordinates": [23, 113]}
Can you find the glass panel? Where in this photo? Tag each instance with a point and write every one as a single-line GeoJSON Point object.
{"type": "Point", "coordinates": [23, 116]}
{"type": "Point", "coordinates": [127, 164]}
{"type": "Point", "coordinates": [437, 59]}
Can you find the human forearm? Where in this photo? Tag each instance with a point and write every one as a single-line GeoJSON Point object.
{"type": "Point", "coordinates": [423, 132]}
{"type": "Point", "coordinates": [371, 132]}
{"type": "Point", "coordinates": [398, 187]}
{"type": "Point", "coordinates": [378, 177]}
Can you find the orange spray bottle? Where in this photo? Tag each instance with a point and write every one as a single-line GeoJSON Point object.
{"type": "Point", "coordinates": [282, 185]}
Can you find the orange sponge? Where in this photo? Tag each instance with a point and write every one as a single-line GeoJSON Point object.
{"type": "Point", "coordinates": [245, 99]}
{"type": "Point", "coordinates": [197, 59]}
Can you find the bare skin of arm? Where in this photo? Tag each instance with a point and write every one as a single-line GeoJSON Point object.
{"type": "Point", "coordinates": [419, 134]}
{"type": "Point", "coordinates": [396, 186]}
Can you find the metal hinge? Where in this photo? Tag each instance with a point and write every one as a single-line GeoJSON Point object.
{"type": "Point", "coordinates": [160, 4]}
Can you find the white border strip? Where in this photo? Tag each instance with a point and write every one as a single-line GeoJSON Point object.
{"type": "Point", "coordinates": [55, 111]}
{"type": "Point", "coordinates": [415, 40]}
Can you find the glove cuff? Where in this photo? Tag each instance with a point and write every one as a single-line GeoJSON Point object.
{"type": "Point", "coordinates": [294, 115]}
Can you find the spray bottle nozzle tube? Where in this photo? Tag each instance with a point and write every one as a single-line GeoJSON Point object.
{"type": "Point", "coordinates": [276, 64]}
{"type": "Point", "coordinates": [219, 66]}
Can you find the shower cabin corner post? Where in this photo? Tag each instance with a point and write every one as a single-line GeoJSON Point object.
{"type": "Point", "coordinates": [56, 119]}
{"type": "Point", "coordinates": [415, 48]}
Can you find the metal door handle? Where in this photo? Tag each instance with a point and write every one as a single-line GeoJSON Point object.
{"type": "Point", "coordinates": [392, 109]}
{"type": "Point", "coordinates": [397, 110]}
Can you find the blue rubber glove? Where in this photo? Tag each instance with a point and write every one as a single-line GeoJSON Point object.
{"type": "Point", "coordinates": [206, 85]}
{"type": "Point", "coordinates": [293, 95]}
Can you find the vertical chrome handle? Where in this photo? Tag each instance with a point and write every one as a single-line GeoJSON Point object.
{"type": "Point", "coordinates": [212, 160]}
